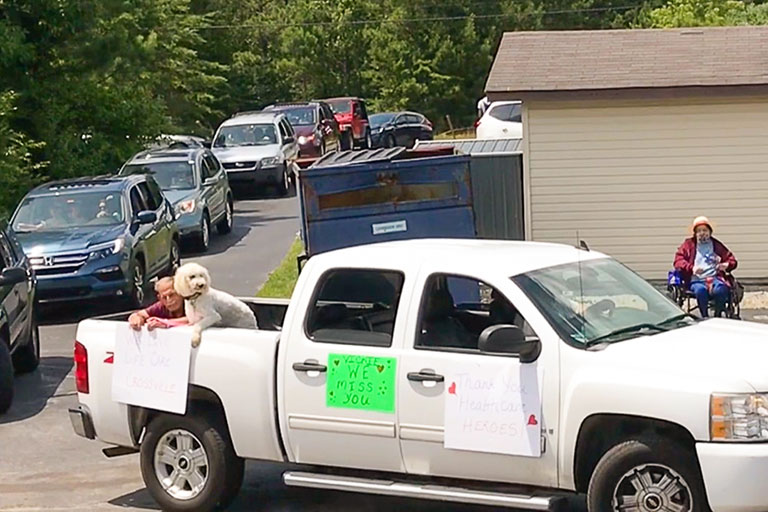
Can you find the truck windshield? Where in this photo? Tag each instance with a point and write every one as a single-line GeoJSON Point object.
{"type": "Point", "coordinates": [303, 116]}
{"type": "Point", "coordinates": [169, 175]}
{"type": "Point", "coordinates": [340, 106]}
{"type": "Point", "coordinates": [599, 300]}
{"type": "Point", "coordinates": [246, 135]}
{"type": "Point", "coordinates": [377, 120]}
{"type": "Point", "coordinates": [55, 213]}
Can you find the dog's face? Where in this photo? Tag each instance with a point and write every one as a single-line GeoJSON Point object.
{"type": "Point", "coordinates": [191, 279]}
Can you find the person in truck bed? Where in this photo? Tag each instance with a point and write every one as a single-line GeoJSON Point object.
{"type": "Point", "coordinates": [166, 312]}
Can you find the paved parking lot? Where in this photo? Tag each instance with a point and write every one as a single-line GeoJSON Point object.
{"type": "Point", "coordinates": [45, 466]}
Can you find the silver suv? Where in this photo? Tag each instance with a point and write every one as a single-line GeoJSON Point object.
{"type": "Point", "coordinates": [257, 148]}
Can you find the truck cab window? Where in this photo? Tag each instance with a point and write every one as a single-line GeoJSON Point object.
{"type": "Point", "coordinates": [455, 310]}
{"type": "Point", "coordinates": [355, 307]}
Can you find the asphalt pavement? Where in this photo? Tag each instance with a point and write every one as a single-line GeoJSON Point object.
{"type": "Point", "coordinates": [45, 466]}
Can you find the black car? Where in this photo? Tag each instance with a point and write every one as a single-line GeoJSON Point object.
{"type": "Point", "coordinates": [390, 129]}
{"type": "Point", "coordinates": [101, 238]}
{"type": "Point", "coordinates": [19, 339]}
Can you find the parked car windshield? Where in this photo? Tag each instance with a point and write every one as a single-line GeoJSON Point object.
{"type": "Point", "coordinates": [54, 213]}
{"type": "Point", "coordinates": [300, 116]}
{"type": "Point", "coordinates": [377, 120]}
{"type": "Point", "coordinates": [599, 299]}
{"type": "Point", "coordinates": [340, 106]}
{"type": "Point", "coordinates": [169, 175]}
{"type": "Point", "coordinates": [246, 135]}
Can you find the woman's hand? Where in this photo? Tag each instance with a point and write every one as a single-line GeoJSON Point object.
{"type": "Point", "coordinates": [136, 321]}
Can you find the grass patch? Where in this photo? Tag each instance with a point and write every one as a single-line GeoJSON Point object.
{"type": "Point", "coordinates": [460, 133]}
{"type": "Point", "coordinates": [281, 281]}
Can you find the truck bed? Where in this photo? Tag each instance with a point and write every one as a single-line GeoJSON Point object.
{"type": "Point", "coordinates": [248, 400]}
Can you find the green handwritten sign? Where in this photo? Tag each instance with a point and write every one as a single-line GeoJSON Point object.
{"type": "Point", "coordinates": [361, 382]}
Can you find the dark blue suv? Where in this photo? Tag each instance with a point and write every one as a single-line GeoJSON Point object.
{"type": "Point", "coordinates": [97, 237]}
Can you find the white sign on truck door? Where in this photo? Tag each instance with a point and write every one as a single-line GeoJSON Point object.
{"type": "Point", "coordinates": [152, 368]}
{"type": "Point", "coordinates": [494, 407]}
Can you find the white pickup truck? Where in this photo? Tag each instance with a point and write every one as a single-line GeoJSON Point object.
{"type": "Point", "coordinates": [642, 407]}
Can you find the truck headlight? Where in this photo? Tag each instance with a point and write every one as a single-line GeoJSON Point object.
{"type": "Point", "coordinates": [185, 207]}
{"type": "Point", "coordinates": [269, 162]}
{"type": "Point", "coordinates": [738, 417]}
{"type": "Point", "coordinates": [106, 249]}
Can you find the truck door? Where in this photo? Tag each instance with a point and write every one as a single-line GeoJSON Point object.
{"type": "Point", "coordinates": [338, 371]}
{"type": "Point", "coordinates": [442, 368]}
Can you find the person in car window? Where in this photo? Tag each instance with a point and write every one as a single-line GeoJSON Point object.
{"type": "Point", "coordinates": [166, 312]}
{"type": "Point", "coordinates": [703, 261]}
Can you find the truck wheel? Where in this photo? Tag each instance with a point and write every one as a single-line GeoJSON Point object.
{"type": "Point", "coordinates": [174, 259]}
{"type": "Point", "coordinates": [6, 377]}
{"type": "Point", "coordinates": [347, 141]}
{"type": "Point", "coordinates": [188, 463]}
{"type": "Point", "coordinates": [204, 238]}
{"type": "Point", "coordinates": [27, 357]}
{"type": "Point", "coordinates": [647, 475]}
{"type": "Point", "coordinates": [366, 143]}
{"type": "Point", "coordinates": [138, 284]}
{"type": "Point", "coordinates": [225, 224]}
{"type": "Point", "coordinates": [282, 187]}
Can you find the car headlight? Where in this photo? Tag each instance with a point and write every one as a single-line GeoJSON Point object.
{"type": "Point", "coordinates": [106, 249]}
{"type": "Point", "coordinates": [185, 207]}
{"type": "Point", "coordinates": [269, 162]}
{"type": "Point", "coordinates": [303, 139]}
{"type": "Point", "coordinates": [739, 417]}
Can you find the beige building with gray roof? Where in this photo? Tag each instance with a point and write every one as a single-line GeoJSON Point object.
{"type": "Point", "coordinates": [630, 134]}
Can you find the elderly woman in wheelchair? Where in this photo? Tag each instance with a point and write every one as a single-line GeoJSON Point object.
{"type": "Point", "coordinates": [704, 265]}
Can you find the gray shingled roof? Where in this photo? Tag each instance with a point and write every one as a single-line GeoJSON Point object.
{"type": "Point", "coordinates": [476, 146]}
{"type": "Point", "coordinates": [621, 59]}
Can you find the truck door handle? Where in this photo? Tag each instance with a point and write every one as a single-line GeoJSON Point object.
{"type": "Point", "coordinates": [309, 366]}
{"type": "Point", "coordinates": [425, 376]}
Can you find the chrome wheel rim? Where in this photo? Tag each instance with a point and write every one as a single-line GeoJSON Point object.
{"type": "Point", "coordinates": [652, 488]}
{"type": "Point", "coordinates": [175, 257]}
{"type": "Point", "coordinates": [368, 140]}
{"type": "Point", "coordinates": [36, 340]}
{"type": "Point", "coordinates": [181, 464]}
{"type": "Point", "coordinates": [229, 214]}
{"type": "Point", "coordinates": [138, 283]}
{"type": "Point", "coordinates": [206, 234]}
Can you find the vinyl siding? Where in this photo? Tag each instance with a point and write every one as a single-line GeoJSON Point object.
{"type": "Point", "coordinates": [630, 175]}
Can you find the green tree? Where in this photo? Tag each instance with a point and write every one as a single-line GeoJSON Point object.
{"type": "Point", "coordinates": [18, 171]}
{"type": "Point", "coordinates": [100, 77]}
{"type": "Point", "coordinates": [695, 13]}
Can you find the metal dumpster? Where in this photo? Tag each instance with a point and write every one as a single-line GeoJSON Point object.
{"type": "Point", "coordinates": [355, 198]}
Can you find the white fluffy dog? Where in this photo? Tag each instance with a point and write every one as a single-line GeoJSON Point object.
{"type": "Point", "coordinates": [205, 306]}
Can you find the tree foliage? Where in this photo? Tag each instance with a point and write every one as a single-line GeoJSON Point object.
{"type": "Point", "coordinates": [85, 83]}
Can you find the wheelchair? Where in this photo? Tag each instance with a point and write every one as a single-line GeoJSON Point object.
{"type": "Point", "coordinates": [685, 298]}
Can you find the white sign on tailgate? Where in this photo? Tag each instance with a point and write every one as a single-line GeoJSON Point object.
{"type": "Point", "coordinates": [494, 407]}
{"type": "Point", "coordinates": [151, 368]}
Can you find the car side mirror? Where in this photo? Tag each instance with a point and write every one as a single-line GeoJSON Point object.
{"type": "Point", "coordinates": [289, 140]}
{"type": "Point", "coordinates": [509, 339]}
{"type": "Point", "coordinates": [208, 182]}
{"type": "Point", "coordinates": [146, 217]}
{"type": "Point", "coordinates": [12, 276]}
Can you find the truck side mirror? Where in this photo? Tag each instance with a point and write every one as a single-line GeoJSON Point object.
{"type": "Point", "coordinates": [146, 217]}
{"type": "Point", "coordinates": [509, 339]}
{"type": "Point", "coordinates": [13, 276]}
